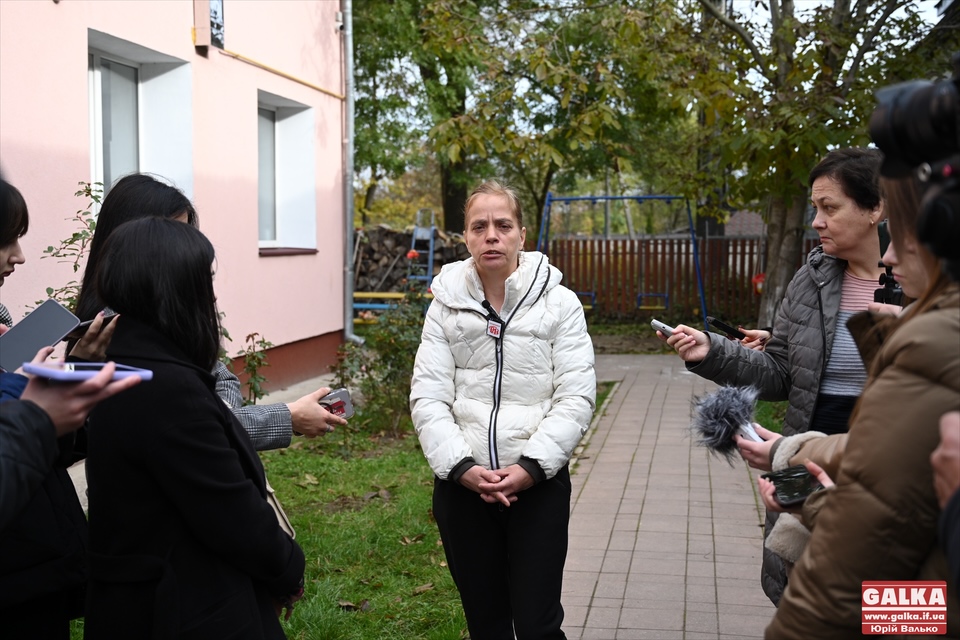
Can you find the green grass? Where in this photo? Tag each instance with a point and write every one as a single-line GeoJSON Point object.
{"type": "Point", "coordinates": [770, 415]}
{"type": "Point", "coordinates": [375, 567]}
{"type": "Point", "coordinates": [361, 507]}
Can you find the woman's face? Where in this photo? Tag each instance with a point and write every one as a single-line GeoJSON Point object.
{"type": "Point", "coordinates": [494, 236]}
{"type": "Point", "coordinates": [845, 229]}
{"type": "Point", "coordinates": [908, 266]}
{"type": "Point", "coordinates": [10, 256]}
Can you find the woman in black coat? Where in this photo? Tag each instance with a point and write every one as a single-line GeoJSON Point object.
{"type": "Point", "coordinates": [183, 542]}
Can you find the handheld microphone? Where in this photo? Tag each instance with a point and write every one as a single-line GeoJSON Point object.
{"type": "Point", "coordinates": [719, 416]}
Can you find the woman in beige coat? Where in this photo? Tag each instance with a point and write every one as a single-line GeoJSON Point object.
{"type": "Point", "coordinates": [879, 522]}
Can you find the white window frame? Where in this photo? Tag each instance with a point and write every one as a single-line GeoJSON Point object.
{"type": "Point", "coordinates": [295, 173]}
{"type": "Point", "coordinates": [267, 242]}
{"type": "Point", "coordinates": [94, 74]}
{"type": "Point", "coordinates": [164, 109]}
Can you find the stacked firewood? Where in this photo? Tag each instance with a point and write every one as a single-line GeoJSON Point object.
{"type": "Point", "coordinates": [384, 257]}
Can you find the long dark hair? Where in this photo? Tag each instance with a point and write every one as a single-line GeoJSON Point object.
{"type": "Point", "coordinates": [138, 195]}
{"type": "Point", "coordinates": [158, 272]}
{"type": "Point", "coordinates": [14, 219]}
{"type": "Point", "coordinates": [903, 199]}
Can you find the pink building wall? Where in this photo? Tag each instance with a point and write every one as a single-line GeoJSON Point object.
{"type": "Point", "coordinates": [45, 150]}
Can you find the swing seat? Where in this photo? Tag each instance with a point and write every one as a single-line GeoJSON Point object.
{"type": "Point", "coordinates": [587, 294]}
{"type": "Point", "coordinates": [664, 301]}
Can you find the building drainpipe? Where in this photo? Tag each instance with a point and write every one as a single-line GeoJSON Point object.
{"type": "Point", "coordinates": [346, 27]}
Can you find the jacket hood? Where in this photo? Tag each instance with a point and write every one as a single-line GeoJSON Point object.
{"type": "Point", "coordinates": [823, 266]}
{"type": "Point", "coordinates": [458, 284]}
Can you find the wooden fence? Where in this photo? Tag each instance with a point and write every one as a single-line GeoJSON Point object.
{"type": "Point", "coordinates": [657, 276]}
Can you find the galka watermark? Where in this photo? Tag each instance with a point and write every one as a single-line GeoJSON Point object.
{"type": "Point", "coordinates": [904, 607]}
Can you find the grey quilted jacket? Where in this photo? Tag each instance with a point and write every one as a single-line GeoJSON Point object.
{"type": "Point", "coordinates": [789, 368]}
{"type": "Point", "coordinates": [791, 365]}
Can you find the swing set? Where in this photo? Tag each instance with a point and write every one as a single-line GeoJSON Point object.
{"type": "Point", "coordinates": [647, 300]}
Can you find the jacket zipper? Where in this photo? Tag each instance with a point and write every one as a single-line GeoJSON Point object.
{"type": "Point", "coordinates": [823, 364]}
{"type": "Point", "coordinates": [498, 377]}
{"type": "Point", "coordinates": [497, 381]}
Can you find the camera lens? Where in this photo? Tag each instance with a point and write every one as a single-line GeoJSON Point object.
{"type": "Point", "coordinates": [915, 122]}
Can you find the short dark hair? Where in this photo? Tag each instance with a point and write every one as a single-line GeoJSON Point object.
{"type": "Point", "coordinates": [134, 196]}
{"type": "Point", "coordinates": [14, 219]}
{"type": "Point", "coordinates": [158, 272]}
{"type": "Point", "coordinates": [857, 169]}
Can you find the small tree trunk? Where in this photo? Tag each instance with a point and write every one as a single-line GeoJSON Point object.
{"type": "Point", "coordinates": [454, 196]}
{"type": "Point", "coordinates": [368, 202]}
{"type": "Point", "coordinates": [784, 243]}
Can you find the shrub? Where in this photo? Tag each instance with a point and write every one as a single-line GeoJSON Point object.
{"type": "Point", "coordinates": [381, 368]}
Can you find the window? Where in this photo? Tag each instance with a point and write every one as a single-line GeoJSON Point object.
{"type": "Point", "coordinates": [267, 174]}
{"type": "Point", "coordinates": [286, 187]}
{"type": "Point", "coordinates": [141, 117]}
{"type": "Point", "coordinates": [115, 118]}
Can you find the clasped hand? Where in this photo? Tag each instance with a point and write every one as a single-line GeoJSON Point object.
{"type": "Point", "coordinates": [501, 485]}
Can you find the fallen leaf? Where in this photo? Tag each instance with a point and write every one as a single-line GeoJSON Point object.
{"type": "Point", "coordinates": [346, 605]}
{"type": "Point", "coordinates": [414, 540]}
{"type": "Point", "coordinates": [423, 589]}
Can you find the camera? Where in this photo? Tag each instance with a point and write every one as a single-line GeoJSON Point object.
{"type": "Point", "coordinates": [889, 292]}
{"type": "Point", "coordinates": [917, 126]}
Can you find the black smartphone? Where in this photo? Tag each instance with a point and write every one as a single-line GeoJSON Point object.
{"type": "Point", "coordinates": [45, 326]}
{"type": "Point", "coordinates": [733, 332]}
{"type": "Point", "coordinates": [793, 484]}
{"type": "Point", "coordinates": [81, 329]}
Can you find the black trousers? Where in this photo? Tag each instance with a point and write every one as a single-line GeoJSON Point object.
{"type": "Point", "coordinates": [507, 562]}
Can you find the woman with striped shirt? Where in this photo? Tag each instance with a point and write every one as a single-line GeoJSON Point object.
{"type": "Point", "coordinates": [810, 359]}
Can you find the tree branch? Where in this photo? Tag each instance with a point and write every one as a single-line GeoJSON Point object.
{"type": "Point", "coordinates": [851, 76]}
{"type": "Point", "coordinates": [740, 31]}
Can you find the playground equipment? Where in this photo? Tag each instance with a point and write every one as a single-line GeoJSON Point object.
{"type": "Point", "coordinates": [645, 299]}
{"type": "Point", "coordinates": [421, 247]}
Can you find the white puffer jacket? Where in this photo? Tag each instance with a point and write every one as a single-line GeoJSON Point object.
{"type": "Point", "coordinates": [530, 393]}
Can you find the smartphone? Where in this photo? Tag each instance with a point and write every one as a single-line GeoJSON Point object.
{"type": "Point", "coordinates": [78, 371]}
{"type": "Point", "coordinates": [338, 403]}
{"type": "Point", "coordinates": [724, 327]}
{"type": "Point", "coordinates": [81, 329]}
{"type": "Point", "coordinates": [665, 329]}
{"type": "Point", "coordinates": [793, 484]}
{"type": "Point", "coordinates": [45, 326]}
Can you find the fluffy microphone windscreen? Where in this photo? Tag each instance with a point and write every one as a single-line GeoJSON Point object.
{"type": "Point", "coordinates": [718, 415]}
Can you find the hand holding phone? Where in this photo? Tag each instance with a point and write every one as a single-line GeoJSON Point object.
{"type": "Point", "coordinates": [720, 325]}
{"type": "Point", "coordinates": [45, 326]}
{"type": "Point", "coordinates": [793, 485]}
{"type": "Point", "coordinates": [662, 327]}
{"type": "Point", "coordinates": [79, 371]}
{"type": "Point", "coordinates": [81, 329]}
{"type": "Point", "coordinates": [338, 403]}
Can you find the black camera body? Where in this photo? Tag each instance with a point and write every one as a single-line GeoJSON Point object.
{"type": "Point", "coordinates": [889, 292]}
{"type": "Point", "coordinates": [917, 126]}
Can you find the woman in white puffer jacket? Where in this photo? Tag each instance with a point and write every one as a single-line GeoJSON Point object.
{"type": "Point", "coordinates": [503, 389]}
